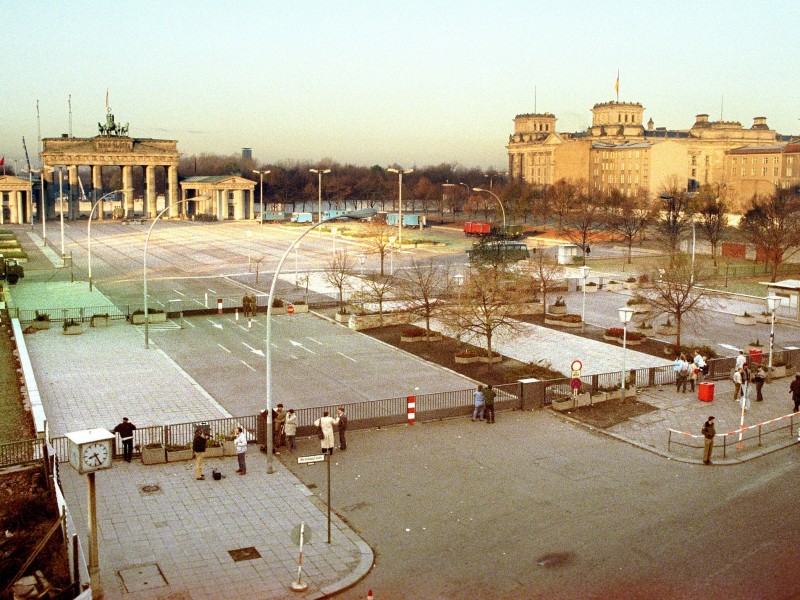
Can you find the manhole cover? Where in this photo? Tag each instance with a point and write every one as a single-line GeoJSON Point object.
{"type": "Point", "coordinates": [145, 577]}
{"type": "Point", "coordinates": [150, 489]}
{"type": "Point", "coordinates": [554, 559]}
{"type": "Point", "coordinates": [244, 554]}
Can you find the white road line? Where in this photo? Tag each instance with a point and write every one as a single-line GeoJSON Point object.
{"type": "Point", "coordinates": [179, 293]}
{"type": "Point", "coordinates": [212, 291]}
{"type": "Point", "coordinates": [347, 357]}
{"type": "Point", "coordinates": [246, 365]}
{"type": "Point", "coordinates": [244, 328]}
{"type": "Point", "coordinates": [295, 357]}
{"type": "Point", "coordinates": [315, 341]}
{"type": "Point", "coordinates": [217, 325]}
{"type": "Point", "coordinates": [189, 323]}
{"type": "Point", "coordinates": [224, 348]}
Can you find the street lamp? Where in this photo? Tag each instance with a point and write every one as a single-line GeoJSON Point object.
{"type": "Point", "coordinates": [772, 304]}
{"type": "Point", "coordinates": [362, 258]}
{"type": "Point", "coordinates": [400, 171]}
{"type": "Point", "coordinates": [61, 209]}
{"type": "Point", "coordinates": [503, 210]}
{"type": "Point", "coordinates": [584, 272]}
{"type": "Point", "coordinates": [89, 232]}
{"type": "Point", "coordinates": [296, 246]}
{"type": "Point", "coordinates": [625, 316]}
{"type": "Point", "coordinates": [319, 172]}
{"type": "Point", "coordinates": [261, 188]}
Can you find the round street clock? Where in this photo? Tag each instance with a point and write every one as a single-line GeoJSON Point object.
{"type": "Point", "coordinates": [90, 450]}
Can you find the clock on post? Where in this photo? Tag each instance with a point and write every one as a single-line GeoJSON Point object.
{"type": "Point", "coordinates": [90, 450]}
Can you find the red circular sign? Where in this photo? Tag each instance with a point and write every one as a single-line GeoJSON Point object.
{"type": "Point", "coordinates": [576, 365]}
{"type": "Point", "coordinates": [290, 309]}
{"type": "Point", "coordinates": [575, 384]}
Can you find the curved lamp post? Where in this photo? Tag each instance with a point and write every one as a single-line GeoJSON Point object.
{"type": "Point", "coordinates": [625, 316]}
{"type": "Point", "coordinates": [144, 265]}
{"type": "Point", "coordinates": [268, 354]}
{"type": "Point", "coordinates": [89, 231]}
{"type": "Point", "coordinates": [503, 210]}
{"type": "Point", "coordinates": [400, 171]}
{"type": "Point", "coordinates": [584, 272]}
{"type": "Point", "coordinates": [319, 172]}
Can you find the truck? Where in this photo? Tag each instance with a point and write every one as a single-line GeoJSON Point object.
{"type": "Point", "coordinates": [409, 220]}
{"type": "Point", "coordinates": [11, 270]}
{"type": "Point", "coordinates": [476, 228]}
{"type": "Point", "coordinates": [271, 216]}
{"type": "Point", "coordinates": [302, 217]}
{"type": "Point", "coordinates": [327, 215]}
{"type": "Point", "coordinates": [481, 229]}
{"type": "Point", "coordinates": [498, 251]}
{"type": "Point", "coordinates": [510, 232]}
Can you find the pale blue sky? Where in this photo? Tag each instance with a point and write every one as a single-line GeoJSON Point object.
{"type": "Point", "coordinates": [372, 82]}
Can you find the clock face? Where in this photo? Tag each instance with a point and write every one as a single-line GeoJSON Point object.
{"type": "Point", "coordinates": [95, 455]}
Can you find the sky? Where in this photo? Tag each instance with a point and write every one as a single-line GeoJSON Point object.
{"type": "Point", "coordinates": [411, 83]}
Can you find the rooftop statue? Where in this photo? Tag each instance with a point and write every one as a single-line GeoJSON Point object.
{"type": "Point", "coordinates": [111, 128]}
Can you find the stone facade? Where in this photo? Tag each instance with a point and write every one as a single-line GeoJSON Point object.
{"type": "Point", "coordinates": [15, 200]}
{"type": "Point", "coordinates": [224, 196]}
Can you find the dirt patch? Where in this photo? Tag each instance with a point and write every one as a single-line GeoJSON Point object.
{"type": "Point", "coordinates": [608, 414]}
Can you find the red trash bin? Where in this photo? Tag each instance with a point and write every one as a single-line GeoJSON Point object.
{"type": "Point", "coordinates": [755, 355]}
{"type": "Point", "coordinates": [705, 391]}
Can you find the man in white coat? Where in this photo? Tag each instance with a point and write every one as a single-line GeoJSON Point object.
{"type": "Point", "coordinates": [326, 423]}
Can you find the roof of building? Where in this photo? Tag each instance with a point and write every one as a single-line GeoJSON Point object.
{"type": "Point", "coordinates": [769, 149]}
{"type": "Point", "coordinates": [622, 146]}
{"type": "Point", "coordinates": [786, 284]}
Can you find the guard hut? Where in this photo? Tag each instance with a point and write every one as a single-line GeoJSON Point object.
{"type": "Point", "coordinates": [567, 254]}
{"type": "Point", "coordinates": [15, 200]}
{"type": "Point", "coordinates": [224, 196]}
{"type": "Point", "coordinates": [788, 291]}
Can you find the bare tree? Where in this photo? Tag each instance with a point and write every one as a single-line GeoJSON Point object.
{"type": "Point", "coordinates": [675, 217]}
{"type": "Point", "coordinates": [629, 216]}
{"type": "Point", "coordinates": [544, 271]}
{"type": "Point", "coordinates": [677, 294]}
{"type": "Point", "coordinates": [773, 224]}
{"type": "Point", "coordinates": [337, 272]}
{"type": "Point", "coordinates": [487, 303]}
{"type": "Point", "coordinates": [379, 237]}
{"type": "Point", "coordinates": [584, 216]}
{"type": "Point", "coordinates": [712, 215]}
{"type": "Point", "coordinates": [560, 198]}
{"type": "Point", "coordinates": [423, 288]}
{"type": "Point", "coordinates": [377, 288]}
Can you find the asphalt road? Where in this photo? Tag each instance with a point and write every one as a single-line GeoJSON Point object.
{"type": "Point", "coordinates": [534, 507]}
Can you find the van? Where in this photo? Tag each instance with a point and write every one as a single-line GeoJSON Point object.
{"type": "Point", "coordinates": [498, 251]}
{"type": "Point", "coordinates": [302, 217]}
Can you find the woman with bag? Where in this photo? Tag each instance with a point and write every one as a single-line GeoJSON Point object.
{"type": "Point", "coordinates": [325, 432]}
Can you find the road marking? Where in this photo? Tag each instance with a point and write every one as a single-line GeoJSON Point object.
{"type": "Point", "coordinates": [244, 328]}
{"type": "Point", "coordinates": [217, 325]}
{"type": "Point", "coordinates": [315, 341]}
{"type": "Point", "coordinates": [347, 357]}
{"type": "Point", "coordinates": [299, 345]}
{"type": "Point", "coordinates": [179, 293]}
{"type": "Point", "coordinates": [224, 348]}
{"type": "Point", "coordinates": [254, 350]}
{"type": "Point", "coordinates": [295, 357]}
{"type": "Point", "coordinates": [246, 365]}
{"type": "Point", "coordinates": [212, 291]}
{"type": "Point", "coordinates": [189, 323]}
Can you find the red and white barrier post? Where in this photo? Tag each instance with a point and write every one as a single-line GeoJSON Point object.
{"type": "Point", "coordinates": [412, 405]}
{"type": "Point", "coordinates": [237, 315]}
{"type": "Point", "coordinates": [219, 306]}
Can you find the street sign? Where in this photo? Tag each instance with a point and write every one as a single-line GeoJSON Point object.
{"type": "Point", "coordinates": [575, 384]}
{"type": "Point", "coordinates": [576, 365]}
{"type": "Point", "coordinates": [306, 534]}
{"type": "Point", "coordinates": [290, 309]}
{"type": "Point", "coordinates": [310, 460]}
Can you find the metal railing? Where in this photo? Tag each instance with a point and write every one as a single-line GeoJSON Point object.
{"type": "Point", "coordinates": [80, 314]}
{"type": "Point", "coordinates": [19, 453]}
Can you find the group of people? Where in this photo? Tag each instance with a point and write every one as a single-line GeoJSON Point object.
{"type": "Point", "coordinates": [484, 404]}
{"type": "Point", "coordinates": [284, 428]}
{"type": "Point", "coordinates": [249, 305]}
{"type": "Point", "coordinates": [325, 432]}
{"type": "Point", "coordinates": [200, 445]}
{"type": "Point", "coordinates": [743, 377]}
{"type": "Point", "coordinates": [690, 372]}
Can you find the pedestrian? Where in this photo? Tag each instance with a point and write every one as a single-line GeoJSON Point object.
{"type": "Point", "coordinates": [241, 450]}
{"type": "Point", "coordinates": [326, 423]}
{"type": "Point", "coordinates": [290, 426]}
{"type": "Point", "coordinates": [746, 375]}
{"type": "Point", "coordinates": [795, 389]}
{"type": "Point", "coordinates": [684, 372]}
{"type": "Point", "coordinates": [480, 406]}
{"type": "Point", "coordinates": [705, 368]}
{"type": "Point", "coordinates": [709, 432]}
{"type": "Point", "coordinates": [700, 365]}
{"type": "Point", "coordinates": [677, 367]}
{"type": "Point", "coordinates": [737, 384]}
{"type": "Point", "coordinates": [693, 372]}
{"type": "Point", "coordinates": [759, 378]}
{"type": "Point", "coordinates": [278, 422]}
{"type": "Point", "coordinates": [488, 399]}
{"type": "Point", "coordinates": [199, 446]}
{"type": "Point", "coordinates": [125, 431]}
{"type": "Point", "coordinates": [342, 417]}
{"type": "Point", "coordinates": [740, 360]}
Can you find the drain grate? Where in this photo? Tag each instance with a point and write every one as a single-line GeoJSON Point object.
{"type": "Point", "coordinates": [153, 488]}
{"type": "Point", "coordinates": [244, 554]}
{"type": "Point", "coordinates": [144, 577]}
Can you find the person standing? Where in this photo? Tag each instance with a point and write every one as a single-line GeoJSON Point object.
{"type": "Point", "coordinates": [678, 368]}
{"type": "Point", "coordinates": [740, 360]}
{"type": "Point", "coordinates": [699, 364]}
{"type": "Point", "coordinates": [125, 431]}
{"type": "Point", "coordinates": [241, 449]}
{"type": "Point", "coordinates": [488, 399]}
{"type": "Point", "coordinates": [342, 418]}
{"type": "Point", "coordinates": [709, 432]}
{"type": "Point", "coordinates": [279, 420]}
{"type": "Point", "coordinates": [199, 447]}
{"type": "Point", "coordinates": [326, 423]}
{"type": "Point", "coordinates": [290, 426]}
{"type": "Point", "coordinates": [737, 384]}
{"type": "Point", "coordinates": [480, 406]}
{"type": "Point", "coordinates": [795, 389]}
{"type": "Point", "coordinates": [759, 378]}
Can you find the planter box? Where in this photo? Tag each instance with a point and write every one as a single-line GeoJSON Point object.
{"type": "Point", "coordinates": [300, 308]}
{"type": "Point", "coordinates": [153, 456]}
{"type": "Point", "coordinates": [661, 330]}
{"type": "Point", "coordinates": [584, 399]}
{"type": "Point", "coordinates": [214, 452]}
{"type": "Point", "coordinates": [228, 448]}
{"type": "Point", "coordinates": [767, 320]}
{"type": "Point", "coordinates": [591, 289]}
{"type": "Point", "coordinates": [614, 287]}
{"type": "Point", "coordinates": [421, 338]}
{"type": "Point", "coordinates": [639, 308]}
{"type": "Point", "coordinates": [630, 342]}
{"type": "Point", "coordinates": [358, 322]}
{"type": "Point", "coordinates": [645, 330]}
{"type": "Point", "coordinates": [562, 323]}
{"type": "Point", "coordinates": [466, 360]}
{"type": "Point", "coordinates": [98, 321]}
{"type": "Point", "coordinates": [178, 455]}
{"type": "Point", "coordinates": [342, 318]}
{"type": "Point", "coordinates": [630, 285]}
{"type": "Point", "coordinates": [278, 310]}
{"type": "Point", "coordinates": [778, 372]}
{"type": "Point", "coordinates": [566, 404]}
{"type": "Point", "coordinates": [73, 330]}
{"type": "Point", "coordinates": [40, 324]}
{"type": "Point", "coordinates": [557, 310]}
{"type": "Point", "coordinates": [742, 320]}
{"type": "Point", "coordinates": [159, 317]}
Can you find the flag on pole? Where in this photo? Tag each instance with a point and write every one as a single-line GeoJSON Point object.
{"type": "Point", "coordinates": [616, 86]}
{"type": "Point", "coordinates": [107, 96]}
{"type": "Point", "coordinates": [2, 161]}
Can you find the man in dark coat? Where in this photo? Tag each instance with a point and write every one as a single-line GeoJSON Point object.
{"type": "Point", "coordinates": [488, 399]}
{"type": "Point", "coordinates": [795, 389]}
{"type": "Point", "coordinates": [125, 431]}
{"type": "Point", "coordinates": [708, 431]}
{"type": "Point", "coordinates": [342, 428]}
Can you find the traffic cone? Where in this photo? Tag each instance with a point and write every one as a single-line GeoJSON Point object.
{"type": "Point", "coordinates": [369, 595]}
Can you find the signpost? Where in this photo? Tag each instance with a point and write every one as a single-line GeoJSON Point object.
{"type": "Point", "coordinates": [310, 460]}
{"type": "Point", "coordinates": [290, 309]}
{"type": "Point", "coordinates": [301, 534]}
{"type": "Point", "coordinates": [576, 383]}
